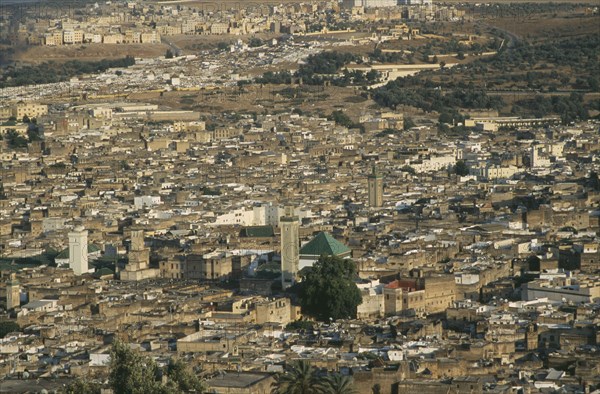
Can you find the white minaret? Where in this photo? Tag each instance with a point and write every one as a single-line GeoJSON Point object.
{"type": "Point", "coordinates": [290, 248]}
{"type": "Point", "coordinates": [78, 246]}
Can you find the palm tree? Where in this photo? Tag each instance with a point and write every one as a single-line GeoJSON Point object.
{"type": "Point", "coordinates": [339, 384]}
{"type": "Point", "coordinates": [300, 378]}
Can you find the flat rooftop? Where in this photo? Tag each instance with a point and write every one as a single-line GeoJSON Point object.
{"type": "Point", "coordinates": [237, 380]}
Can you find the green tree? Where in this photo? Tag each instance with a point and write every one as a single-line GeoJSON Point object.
{"type": "Point", "coordinates": [182, 379]}
{"type": "Point", "coordinates": [83, 386]}
{"type": "Point", "coordinates": [130, 372]}
{"type": "Point", "coordinates": [341, 118]}
{"type": "Point", "coordinates": [339, 384]}
{"type": "Point", "coordinates": [299, 378]}
{"type": "Point", "coordinates": [408, 169]}
{"type": "Point", "coordinates": [461, 168]}
{"type": "Point", "coordinates": [15, 140]}
{"type": "Point", "coordinates": [169, 54]}
{"type": "Point", "coordinates": [299, 325]}
{"type": "Point", "coordinates": [328, 291]}
{"type": "Point", "coordinates": [408, 123]}
{"type": "Point", "coordinates": [34, 132]}
{"type": "Point", "coordinates": [6, 327]}
{"type": "Point", "coordinates": [255, 42]}
{"type": "Point", "coordinates": [223, 45]}
{"type": "Point", "coordinates": [446, 117]}
{"type": "Point", "coordinates": [593, 182]}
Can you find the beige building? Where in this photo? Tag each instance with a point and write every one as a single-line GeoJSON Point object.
{"type": "Point", "coordinates": [219, 28]}
{"type": "Point", "coordinates": [32, 110]}
{"type": "Point", "coordinates": [279, 310]}
{"type": "Point", "coordinates": [112, 39]}
{"type": "Point", "coordinates": [72, 37]}
{"type": "Point", "coordinates": [53, 39]}
{"type": "Point", "coordinates": [440, 293]}
{"type": "Point", "coordinates": [208, 341]}
{"type": "Point", "coordinates": [150, 38]}
{"type": "Point", "coordinates": [404, 297]}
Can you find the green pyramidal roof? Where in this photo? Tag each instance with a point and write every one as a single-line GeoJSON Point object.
{"type": "Point", "coordinates": [324, 244]}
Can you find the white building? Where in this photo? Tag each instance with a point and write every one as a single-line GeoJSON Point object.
{"type": "Point", "coordinates": [433, 163]}
{"type": "Point", "coordinates": [497, 172]}
{"type": "Point", "coordinates": [78, 253]}
{"type": "Point", "coordinates": [146, 201]}
{"type": "Point", "coordinates": [264, 215]}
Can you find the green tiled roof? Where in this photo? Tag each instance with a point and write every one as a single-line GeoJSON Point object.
{"type": "Point", "coordinates": [65, 253]}
{"type": "Point", "coordinates": [103, 272]}
{"type": "Point", "coordinates": [324, 244]}
{"type": "Point", "coordinates": [257, 231]}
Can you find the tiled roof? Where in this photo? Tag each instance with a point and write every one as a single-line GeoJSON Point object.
{"type": "Point", "coordinates": [324, 244]}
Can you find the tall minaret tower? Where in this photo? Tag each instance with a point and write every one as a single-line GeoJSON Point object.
{"type": "Point", "coordinates": [375, 181]}
{"type": "Point", "coordinates": [13, 292]}
{"type": "Point", "coordinates": [290, 248]}
{"type": "Point", "coordinates": [139, 255]}
{"type": "Point", "coordinates": [78, 246]}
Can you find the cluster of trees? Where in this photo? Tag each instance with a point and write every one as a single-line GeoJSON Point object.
{"type": "Point", "coordinates": [223, 45]}
{"type": "Point", "coordinates": [592, 181]}
{"type": "Point", "coordinates": [577, 56]}
{"type": "Point", "coordinates": [324, 67]}
{"type": "Point", "coordinates": [328, 291]}
{"type": "Point", "coordinates": [570, 108]}
{"type": "Point", "coordinates": [16, 140]}
{"type": "Point", "coordinates": [517, 11]}
{"type": "Point", "coordinates": [8, 326]}
{"type": "Point", "coordinates": [404, 92]}
{"type": "Point", "coordinates": [324, 63]}
{"type": "Point", "coordinates": [34, 132]}
{"type": "Point", "coordinates": [427, 52]}
{"type": "Point", "coordinates": [51, 72]}
{"type": "Point", "coordinates": [301, 378]}
{"type": "Point", "coordinates": [130, 372]}
{"type": "Point", "coordinates": [545, 66]}
{"type": "Point", "coordinates": [461, 168]}
{"type": "Point", "coordinates": [342, 119]}
{"type": "Point", "coordinates": [356, 78]}
{"type": "Point", "coordinates": [207, 191]}
{"type": "Point", "coordinates": [386, 57]}
{"type": "Point", "coordinates": [276, 78]}
{"type": "Point", "coordinates": [255, 42]}
{"type": "Point", "coordinates": [453, 46]}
